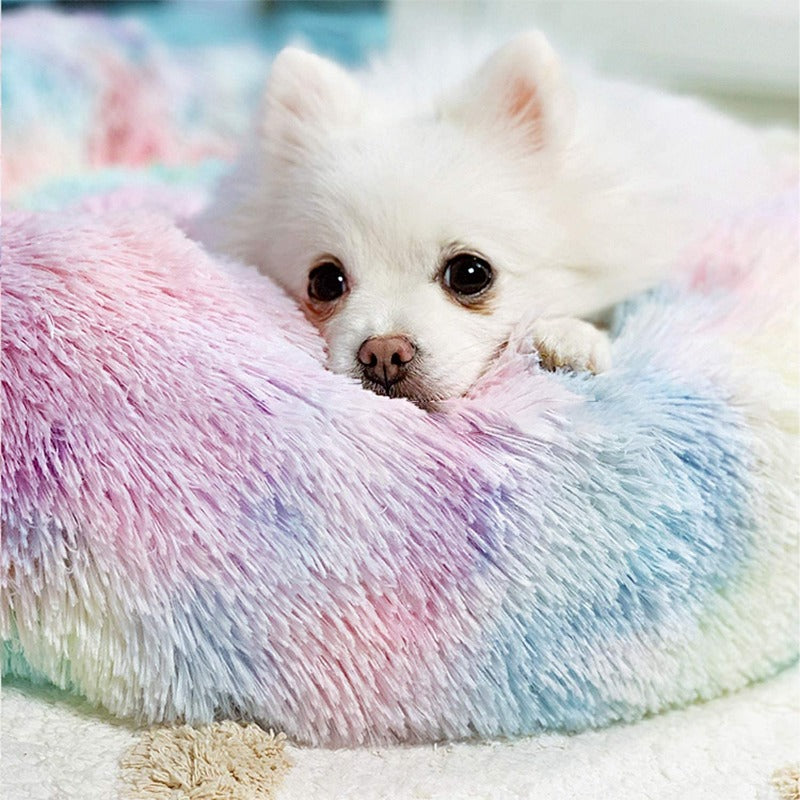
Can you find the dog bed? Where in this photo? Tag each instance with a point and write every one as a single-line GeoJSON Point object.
{"type": "Point", "coordinates": [199, 520]}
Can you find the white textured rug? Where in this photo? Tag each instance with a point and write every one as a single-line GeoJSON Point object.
{"type": "Point", "coordinates": [55, 748]}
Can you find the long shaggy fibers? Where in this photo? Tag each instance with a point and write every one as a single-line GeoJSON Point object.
{"type": "Point", "coordinates": [200, 520]}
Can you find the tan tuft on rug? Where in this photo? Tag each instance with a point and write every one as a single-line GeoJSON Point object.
{"type": "Point", "coordinates": [787, 782]}
{"type": "Point", "coordinates": [222, 761]}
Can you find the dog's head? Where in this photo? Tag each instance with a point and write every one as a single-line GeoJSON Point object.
{"type": "Point", "coordinates": [414, 243]}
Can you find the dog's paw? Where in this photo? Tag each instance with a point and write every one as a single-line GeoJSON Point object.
{"type": "Point", "coordinates": [564, 342]}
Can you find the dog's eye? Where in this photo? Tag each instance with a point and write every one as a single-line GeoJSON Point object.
{"type": "Point", "coordinates": [467, 275]}
{"type": "Point", "coordinates": [326, 282]}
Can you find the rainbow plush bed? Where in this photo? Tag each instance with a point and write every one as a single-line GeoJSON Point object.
{"type": "Point", "coordinates": [201, 522]}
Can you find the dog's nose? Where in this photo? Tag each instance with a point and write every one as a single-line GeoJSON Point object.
{"type": "Point", "coordinates": [384, 358]}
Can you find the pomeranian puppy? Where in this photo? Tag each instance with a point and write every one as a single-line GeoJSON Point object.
{"type": "Point", "coordinates": [418, 238]}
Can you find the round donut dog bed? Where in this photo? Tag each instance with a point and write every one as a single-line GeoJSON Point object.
{"type": "Point", "coordinates": [200, 521]}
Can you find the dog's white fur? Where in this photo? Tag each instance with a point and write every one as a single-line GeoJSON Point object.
{"type": "Point", "coordinates": [579, 191]}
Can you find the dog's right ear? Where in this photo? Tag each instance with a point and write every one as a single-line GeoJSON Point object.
{"type": "Point", "coordinates": [521, 90]}
{"type": "Point", "coordinates": [306, 95]}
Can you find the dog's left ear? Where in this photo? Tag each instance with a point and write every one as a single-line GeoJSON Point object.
{"type": "Point", "coordinates": [522, 90]}
{"type": "Point", "coordinates": [307, 95]}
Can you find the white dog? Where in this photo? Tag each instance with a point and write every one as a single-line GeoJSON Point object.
{"type": "Point", "coordinates": [418, 239]}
